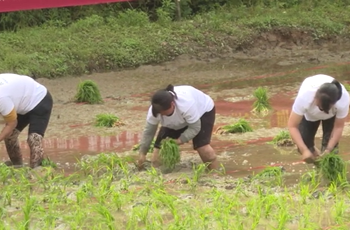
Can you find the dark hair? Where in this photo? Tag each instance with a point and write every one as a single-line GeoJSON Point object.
{"type": "Point", "coordinates": [329, 94]}
{"type": "Point", "coordinates": [162, 99]}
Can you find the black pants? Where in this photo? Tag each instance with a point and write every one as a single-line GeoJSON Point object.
{"type": "Point", "coordinates": [201, 139]}
{"type": "Point", "coordinates": [308, 131]}
{"type": "Point", "coordinates": [38, 118]}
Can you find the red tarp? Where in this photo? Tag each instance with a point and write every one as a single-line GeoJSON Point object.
{"type": "Point", "coordinates": [19, 5]}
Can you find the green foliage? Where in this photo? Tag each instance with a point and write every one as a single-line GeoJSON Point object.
{"type": "Point", "coordinates": [241, 126]}
{"type": "Point", "coordinates": [261, 104]}
{"type": "Point", "coordinates": [106, 120]}
{"type": "Point", "coordinates": [283, 138]}
{"type": "Point", "coordinates": [347, 87]}
{"type": "Point", "coordinates": [83, 40]}
{"type": "Point", "coordinates": [169, 153]}
{"type": "Point", "coordinates": [47, 162]}
{"type": "Point", "coordinates": [332, 167]}
{"type": "Point", "coordinates": [137, 147]}
{"type": "Point", "coordinates": [88, 92]}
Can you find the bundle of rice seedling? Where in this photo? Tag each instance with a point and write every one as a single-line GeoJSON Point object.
{"type": "Point", "coordinates": [241, 126]}
{"type": "Point", "coordinates": [261, 104]}
{"type": "Point", "coordinates": [88, 92]}
{"type": "Point", "coordinates": [107, 120]}
{"type": "Point", "coordinates": [283, 138]}
{"type": "Point", "coordinates": [169, 153]}
{"type": "Point", "coordinates": [332, 167]}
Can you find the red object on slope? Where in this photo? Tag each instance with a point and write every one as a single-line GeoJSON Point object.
{"type": "Point", "coordinates": [19, 5]}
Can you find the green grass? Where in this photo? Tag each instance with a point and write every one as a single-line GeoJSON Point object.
{"type": "Point", "coordinates": [106, 120]}
{"type": "Point", "coordinates": [88, 92]}
{"type": "Point", "coordinates": [129, 39]}
{"type": "Point", "coordinates": [261, 104]}
{"type": "Point", "coordinates": [241, 126]}
{"type": "Point", "coordinates": [107, 192]}
{"type": "Point", "coordinates": [347, 87]}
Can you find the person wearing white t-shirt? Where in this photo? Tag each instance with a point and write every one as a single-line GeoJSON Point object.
{"type": "Point", "coordinates": [321, 98]}
{"type": "Point", "coordinates": [185, 114]}
{"type": "Point", "coordinates": [23, 102]}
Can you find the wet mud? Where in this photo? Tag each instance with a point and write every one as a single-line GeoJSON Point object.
{"type": "Point", "coordinates": [230, 82]}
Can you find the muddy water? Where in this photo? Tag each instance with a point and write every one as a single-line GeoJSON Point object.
{"type": "Point", "coordinates": [229, 82]}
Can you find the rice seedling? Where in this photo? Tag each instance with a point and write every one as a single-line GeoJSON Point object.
{"type": "Point", "coordinates": [88, 92]}
{"type": "Point", "coordinates": [332, 167]}
{"type": "Point", "coordinates": [151, 148]}
{"type": "Point", "coordinates": [261, 104]}
{"type": "Point", "coordinates": [169, 153]}
{"type": "Point", "coordinates": [241, 126]}
{"type": "Point", "coordinates": [47, 162]}
{"type": "Point", "coordinates": [107, 120]}
{"type": "Point", "coordinates": [282, 139]}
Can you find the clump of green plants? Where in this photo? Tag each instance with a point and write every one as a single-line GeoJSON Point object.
{"type": "Point", "coordinates": [241, 126]}
{"type": "Point", "coordinates": [169, 153]}
{"type": "Point", "coordinates": [261, 104]}
{"type": "Point", "coordinates": [47, 162]}
{"type": "Point", "coordinates": [88, 92]}
{"type": "Point", "coordinates": [283, 138]}
{"type": "Point", "coordinates": [332, 167]}
{"type": "Point", "coordinates": [107, 120]}
{"type": "Point", "coordinates": [271, 171]}
{"type": "Point", "coordinates": [137, 147]}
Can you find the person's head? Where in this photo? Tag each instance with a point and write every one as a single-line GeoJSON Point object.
{"type": "Point", "coordinates": [163, 101]}
{"type": "Point", "coordinates": [327, 95]}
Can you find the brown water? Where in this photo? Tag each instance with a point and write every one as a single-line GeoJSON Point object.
{"type": "Point", "coordinates": [231, 85]}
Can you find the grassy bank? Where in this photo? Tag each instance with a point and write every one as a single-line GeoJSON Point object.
{"type": "Point", "coordinates": [108, 193]}
{"type": "Point", "coordinates": [96, 44]}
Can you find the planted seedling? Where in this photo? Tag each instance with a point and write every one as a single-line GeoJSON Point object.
{"type": "Point", "coordinates": [283, 139]}
{"type": "Point", "coordinates": [150, 150]}
{"type": "Point", "coordinates": [332, 167]}
{"type": "Point", "coordinates": [107, 120]}
{"type": "Point", "coordinates": [261, 104]}
{"type": "Point", "coordinates": [241, 126]}
{"type": "Point", "coordinates": [169, 153]}
{"type": "Point", "coordinates": [47, 162]}
{"type": "Point", "coordinates": [88, 92]}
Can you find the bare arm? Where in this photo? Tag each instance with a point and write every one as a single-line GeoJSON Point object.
{"type": "Point", "coordinates": [336, 133]}
{"type": "Point", "coordinates": [293, 126]}
{"type": "Point", "coordinates": [11, 123]}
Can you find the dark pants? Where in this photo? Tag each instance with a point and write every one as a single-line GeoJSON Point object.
{"type": "Point", "coordinates": [38, 118]}
{"type": "Point", "coordinates": [201, 139]}
{"type": "Point", "coordinates": [308, 131]}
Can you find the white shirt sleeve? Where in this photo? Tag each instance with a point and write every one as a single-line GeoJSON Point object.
{"type": "Point", "coordinates": [299, 106]}
{"type": "Point", "coordinates": [342, 112]}
{"type": "Point", "coordinates": [191, 115]}
{"type": "Point", "coordinates": [6, 106]}
{"type": "Point", "coordinates": [151, 119]}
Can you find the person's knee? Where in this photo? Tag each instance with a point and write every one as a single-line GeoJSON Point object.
{"type": "Point", "coordinates": [34, 139]}
{"type": "Point", "coordinates": [207, 153]}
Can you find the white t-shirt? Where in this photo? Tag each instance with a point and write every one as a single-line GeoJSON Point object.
{"type": "Point", "coordinates": [303, 104]}
{"type": "Point", "coordinates": [190, 105]}
{"type": "Point", "coordinates": [19, 92]}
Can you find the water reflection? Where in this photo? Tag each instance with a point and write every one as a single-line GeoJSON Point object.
{"type": "Point", "coordinates": [93, 143]}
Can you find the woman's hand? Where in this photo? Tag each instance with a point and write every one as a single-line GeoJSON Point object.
{"type": "Point", "coordinates": [308, 157]}
{"type": "Point", "coordinates": [141, 161]}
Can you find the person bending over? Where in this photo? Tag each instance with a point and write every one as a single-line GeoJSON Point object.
{"type": "Point", "coordinates": [185, 114]}
{"type": "Point", "coordinates": [23, 101]}
{"type": "Point", "coordinates": [321, 98]}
